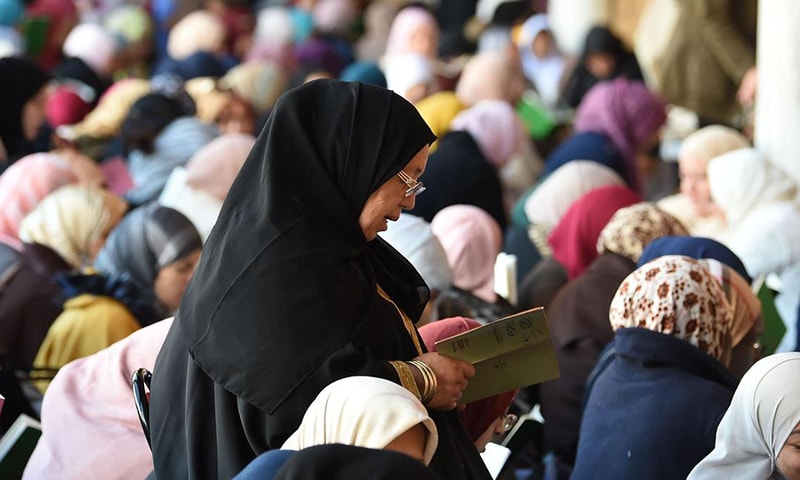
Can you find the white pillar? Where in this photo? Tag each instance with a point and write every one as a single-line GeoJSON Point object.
{"type": "Point", "coordinates": [777, 115]}
{"type": "Point", "coordinates": [571, 20]}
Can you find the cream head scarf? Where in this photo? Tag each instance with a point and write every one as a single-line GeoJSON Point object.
{"type": "Point", "coordinates": [633, 228]}
{"type": "Point", "coordinates": [676, 296]}
{"type": "Point", "coordinates": [71, 219]}
{"type": "Point", "coordinates": [364, 412]}
{"type": "Point", "coordinates": [763, 413]}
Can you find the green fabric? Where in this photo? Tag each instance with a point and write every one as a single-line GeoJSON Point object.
{"type": "Point", "coordinates": [537, 119]}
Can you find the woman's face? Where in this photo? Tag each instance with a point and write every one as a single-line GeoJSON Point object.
{"type": "Point", "coordinates": [601, 64]}
{"type": "Point", "coordinates": [34, 113]}
{"type": "Point", "coordinates": [411, 442]}
{"type": "Point", "coordinates": [542, 44]}
{"type": "Point", "coordinates": [496, 428]}
{"type": "Point", "coordinates": [424, 41]}
{"type": "Point", "coordinates": [789, 457]}
{"type": "Point", "coordinates": [389, 200]}
{"type": "Point", "coordinates": [694, 184]}
{"type": "Point", "coordinates": [172, 280]}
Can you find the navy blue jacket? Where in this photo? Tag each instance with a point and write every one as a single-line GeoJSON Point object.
{"type": "Point", "coordinates": [653, 412]}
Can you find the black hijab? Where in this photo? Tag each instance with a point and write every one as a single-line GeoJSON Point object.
{"type": "Point", "coordinates": [20, 81]}
{"type": "Point", "coordinates": [287, 276]}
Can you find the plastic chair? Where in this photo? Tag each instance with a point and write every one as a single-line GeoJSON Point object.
{"type": "Point", "coordinates": [140, 381]}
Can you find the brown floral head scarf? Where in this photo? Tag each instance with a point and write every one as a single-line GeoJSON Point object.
{"type": "Point", "coordinates": [676, 296]}
{"type": "Point", "coordinates": [632, 228]}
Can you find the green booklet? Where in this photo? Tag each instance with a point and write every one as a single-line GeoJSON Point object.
{"type": "Point", "coordinates": [509, 353]}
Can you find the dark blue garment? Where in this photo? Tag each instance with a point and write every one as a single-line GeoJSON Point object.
{"type": "Point", "coordinates": [517, 242]}
{"type": "Point", "coordinates": [265, 466]}
{"type": "Point", "coordinates": [591, 146]}
{"type": "Point", "coordinates": [695, 247]}
{"type": "Point", "coordinates": [199, 64]}
{"type": "Point", "coordinates": [366, 72]}
{"type": "Point", "coordinates": [653, 412]}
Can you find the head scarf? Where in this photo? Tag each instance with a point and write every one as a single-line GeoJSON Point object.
{"type": "Point", "coordinates": [214, 167]}
{"type": "Point", "coordinates": [480, 414]}
{"type": "Point", "coordinates": [367, 72]}
{"type": "Point", "coordinates": [547, 205]}
{"type": "Point", "coordinates": [23, 185]}
{"type": "Point", "coordinates": [10, 12]}
{"type": "Point", "coordinates": [496, 128]}
{"type": "Point", "coordinates": [321, 54]}
{"type": "Point", "coordinates": [711, 141]}
{"type": "Point", "coordinates": [71, 219]}
{"type": "Point", "coordinates": [147, 240]}
{"type": "Point", "coordinates": [490, 76]}
{"type": "Point", "coordinates": [694, 247]}
{"type": "Point", "coordinates": [471, 239]}
{"type": "Point", "coordinates": [378, 17]}
{"type": "Point", "coordinates": [743, 180]}
{"type": "Point", "coordinates": [408, 70]}
{"type": "Point", "coordinates": [93, 44]}
{"type": "Point", "coordinates": [574, 240]}
{"type": "Point", "coordinates": [334, 16]}
{"type": "Point", "coordinates": [623, 110]}
{"type": "Point", "coordinates": [65, 106]}
{"type": "Point", "coordinates": [199, 31]}
{"type": "Point", "coordinates": [345, 462]}
{"type": "Point", "coordinates": [632, 228]}
{"type": "Point", "coordinates": [745, 304]}
{"type": "Point", "coordinates": [107, 117]}
{"type": "Point", "coordinates": [364, 412]}
{"type": "Point", "coordinates": [676, 296]}
{"type": "Point", "coordinates": [439, 110]}
{"type": "Point", "coordinates": [545, 73]}
{"type": "Point", "coordinates": [274, 26]}
{"type": "Point", "coordinates": [195, 65]}
{"type": "Point", "coordinates": [764, 411]}
{"type": "Point", "coordinates": [259, 82]}
{"type": "Point", "coordinates": [405, 26]}
{"type": "Point", "coordinates": [298, 199]}
{"type": "Point", "coordinates": [20, 81]}
{"type": "Point", "coordinates": [129, 23]}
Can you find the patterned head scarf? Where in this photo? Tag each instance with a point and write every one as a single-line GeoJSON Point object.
{"type": "Point", "coordinates": [24, 185]}
{"type": "Point", "coordinates": [71, 219]}
{"type": "Point", "coordinates": [471, 239]}
{"type": "Point", "coordinates": [632, 228]}
{"type": "Point", "coordinates": [364, 412]}
{"type": "Point", "coordinates": [745, 304]}
{"type": "Point", "coordinates": [676, 296]}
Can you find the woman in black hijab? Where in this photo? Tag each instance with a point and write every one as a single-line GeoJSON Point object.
{"type": "Point", "coordinates": [23, 96]}
{"type": "Point", "coordinates": [295, 290]}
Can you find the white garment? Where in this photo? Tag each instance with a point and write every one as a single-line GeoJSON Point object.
{"type": "Point", "coordinates": [544, 73]}
{"type": "Point", "coordinates": [765, 409]}
{"type": "Point", "coordinates": [201, 208]}
{"type": "Point", "coordinates": [364, 412]}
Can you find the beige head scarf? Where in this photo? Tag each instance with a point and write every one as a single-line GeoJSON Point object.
{"type": "Point", "coordinates": [676, 296]}
{"type": "Point", "coordinates": [745, 304]}
{"type": "Point", "coordinates": [712, 141]}
{"type": "Point", "coordinates": [364, 412]}
{"type": "Point", "coordinates": [491, 76]}
{"type": "Point", "coordinates": [260, 82]}
{"type": "Point", "coordinates": [633, 228]}
{"type": "Point", "coordinates": [199, 31]}
{"type": "Point", "coordinates": [71, 219]}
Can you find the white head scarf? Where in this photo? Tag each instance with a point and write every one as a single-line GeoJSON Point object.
{"type": "Point", "coordinates": [763, 413]}
{"type": "Point", "coordinates": [364, 412]}
{"type": "Point", "coordinates": [407, 70]}
{"type": "Point", "coordinates": [545, 73]}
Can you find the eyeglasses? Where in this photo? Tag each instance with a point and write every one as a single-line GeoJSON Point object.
{"type": "Point", "coordinates": [509, 420]}
{"type": "Point", "coordinates": [414, 187]}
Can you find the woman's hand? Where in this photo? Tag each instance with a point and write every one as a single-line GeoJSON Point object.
{"type": "Point", "coordinates": [451, 377]}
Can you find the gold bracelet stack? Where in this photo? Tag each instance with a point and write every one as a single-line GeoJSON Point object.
{"type": "Point", "coordinates": [429, 381]}
{"type": "Point", "coordinates": [406, 377]}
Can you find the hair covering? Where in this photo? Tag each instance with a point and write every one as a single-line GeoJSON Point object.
{"type": "Point", "coordinates": [695, 247]}
{"type": "Point", "coordinates": [413, 237]}
{"type": "Point", "coordinates": [545, 73]}
{"type": "Point", "coordinates": [129, 23]}
{"type": "Point", "coordinates": [259, 82]}
{"type": "Point", "coordinates": [378, 18]}
{"type": "Point", "coordinates": [306, 152]}
{"type": "Point", "coordinates": [65, 106]}
{"type": "Point", "coordinates": [712, 141]}
{"type": "Point", "coordinates": [345, 462]}
{"type": "Point", "coordinates": [365, 412]}
{"type": "Point", "coordinates": [71, 219]}
{"type": "Point", "coordinates": [10, 12]}
{"type": "Point", "coordinates": [743, 180]}
{"type": "Point", "coordinates": [11, 42]}
{"type": "Point", "coordinates": [195, 65]}
{"type": "Point", "coordinates": [20, 81]}
{"type": "Point", "coordinates": [439, 110]}
{"type": "Point", "coordinates": [406, 25]}
{"type": "Point", "coordinates": [745, 304]}
{"type": "Point", "coordinates": [367, 72]}
{"type": "Point", "coordinates": [106, 119]}
{"type": "Point", "coordinates": [23, 185]}
{"type": "Point", "coordinates": [147, 240]}
{"type": "Point", "coordinates": [334, 16]}
{"type": "Point", "coordinates": [274, 25]}
{"type": "Point", "coordinates": [199, 31]}
{"type": "Point", "coordinates": [496, 128]}
{"type": "Point", "coordinates": [480, 414]}
{"type": "Point", "coordinates": [214, 167]}
{"type": "Point", "coordinates": [93, 44]}
{"type": "Point", "coordinates": [574, 240]}
{"type": "Point", "coordinates": [209, 99]}
{"type": "Point", "coordinates": [632, 228]}
{"type": "Point", "coordinates": [321, 54]}
{"type": "Point", "coordinates": [471, 239]}
{"type": "Point", "coordinates": [764, 411]}
{"type": "Point", "coordinates": [626, 112]}
{"type": "Point", "coordinates": [490, 76]}
{"type": "Point", "coordinates": [677, 296]}
{"type": "Point", "coordinates": [407, 70]}
{"type": "Point", "coordinates": [547, 205]}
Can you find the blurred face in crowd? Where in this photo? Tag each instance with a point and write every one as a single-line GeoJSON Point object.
{"type": "Point", "coordinates": [237, 117]}
{"type": "Point", "coordinates": [411, 442]}
{"type": "Point", "coordinates": [173, 279]}
{"type": "Point", "coordinates": [389, 200]}
{"type": "Point", "coordinates": [601, 65]}
{"type": "Point", "coordinates": [34, 113]}
{"type": "Point", "coordinates": [694, 184]}
{"type": "Point", "coordinates": [424, 41]}
{"type": "Point", "coordinates": [789, 457]}
{"type": "Point", "coordinates": [496, 428]}
{"type": "Point", "coordinates": [543, 44]}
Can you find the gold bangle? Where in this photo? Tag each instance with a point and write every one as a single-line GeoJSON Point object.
{"type": "Point", "coordinates": [429, 380]}
{"type": "Point", "coordinates": [406, 377]}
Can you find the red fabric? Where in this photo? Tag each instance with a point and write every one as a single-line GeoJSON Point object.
{"type": "Point", "coordinates": [479, 415]}
{"type": "Point", "coordinates": [66, 107]}
{"type": "Point", "coordinates": [574, 240]}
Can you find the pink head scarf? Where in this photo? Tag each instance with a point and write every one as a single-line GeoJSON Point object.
{"type": "Point", "coordinates": [471, 239]}
{"type": "Point", "coordinates": [496, 128]}
{"type": "Point", "coordinates": [407, 23]}
{"type": "Point", "coordinates": [24, 185]}
{"type": "Point", "coordinates": [625, 111]}
{"type": "Point", "coordinates": [574, 240]}
{"type": "Point", "coordinates": [214, 167]}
